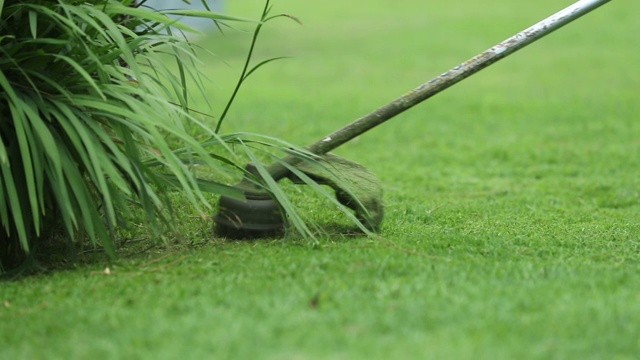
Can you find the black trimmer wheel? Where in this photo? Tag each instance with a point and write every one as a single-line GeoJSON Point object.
{"type": "Point", "coordinates": [257, 216]}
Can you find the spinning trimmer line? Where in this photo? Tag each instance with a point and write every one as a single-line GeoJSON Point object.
{"type": "Point", "coordinates": [259, 214]}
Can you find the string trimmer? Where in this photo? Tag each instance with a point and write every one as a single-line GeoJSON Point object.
{"type": "Point", "coordinates": [259, 214]}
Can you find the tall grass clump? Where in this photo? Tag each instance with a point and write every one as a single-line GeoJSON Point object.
{"type": "Point", "coordinates": [93, 123]}
{"type": "Point", "coordinates": [96, 127]}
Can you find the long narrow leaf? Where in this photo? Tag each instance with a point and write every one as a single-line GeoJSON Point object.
{"type": "Point", "coordinates": [23, 134]}
{"type": "Point", "coordinates": [159, 17]}
{"type": "Point", "coordinates": [262, 63]}
{"type": "Point", "coordinates": [206, 14]}
{"type": "Point", "coordinates": [80, 70]}
{"type": "Point", "coordinates": [279, 195]}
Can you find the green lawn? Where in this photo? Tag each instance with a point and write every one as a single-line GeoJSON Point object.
{"type": "Point", "coordinates": [512, 226]}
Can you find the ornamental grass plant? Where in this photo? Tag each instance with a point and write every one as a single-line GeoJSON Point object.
{"type": "Point", "coordinates": [96, 125]}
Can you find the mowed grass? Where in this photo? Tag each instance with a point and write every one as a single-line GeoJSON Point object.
{"type": "Point", "coordinates": [512, 204]}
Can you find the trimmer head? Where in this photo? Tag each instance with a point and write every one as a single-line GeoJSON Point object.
{"type": "Point", "coordinates": [258, 215]}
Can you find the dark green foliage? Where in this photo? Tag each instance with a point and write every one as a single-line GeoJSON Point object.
{"type": "Point", "coordinates": [88, 122]}
{"type": "Point", "coordinates": [96, 126]}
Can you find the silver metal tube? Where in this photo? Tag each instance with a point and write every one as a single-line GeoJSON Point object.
{"type": "Point", "coordinates": [458, 73]}
{"type": "Point", "coordinates": [444, 81]}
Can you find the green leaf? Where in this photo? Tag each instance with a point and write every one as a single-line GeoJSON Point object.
{"type": "Point", "coordinates": [278, 194]}
{"type": "Point", "coordinates": [80, 70]}
{"type": "Point", "coordinates": [24, 136]}
{"type": "Point", "coordinates": [33, 23]}
{"type": "Point", "coordinates": [264, 62]}
{"type": "Point", "coordinates": [4, 158]}
{"type": "Point", "coordinates": [207, 14]}
{"type": "Point", "coordinates": [16, 204]}
{"type": "Point", "coordinates": [115, 7]}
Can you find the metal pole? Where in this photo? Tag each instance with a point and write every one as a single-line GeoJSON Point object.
{"type": "Point", "coordinates": [445, 80]}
